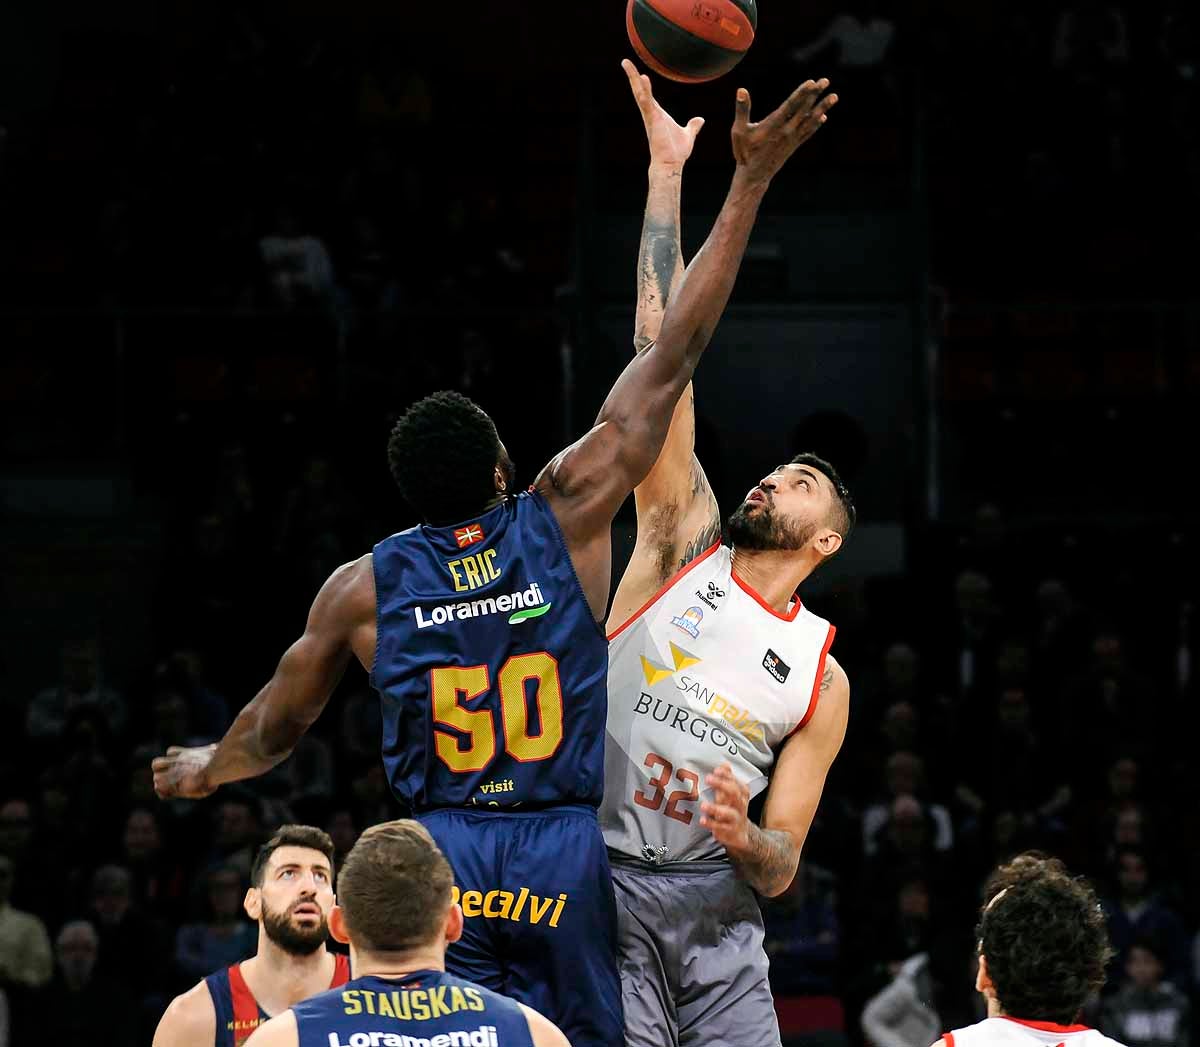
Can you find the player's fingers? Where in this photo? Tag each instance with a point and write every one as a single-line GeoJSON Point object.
{"type": "Point", "coordinates": [161, 763]}
{"type": "Point", "coordinates": [638, 84]}
{"type": "Point", "coordinates": [811, 119]}
{"type": "Point", "coordinates": [800, 100]}
{"type": "Point", "coordinates": [174, 750]}
{"type": "Point", "coordinates": [741, 111]}
{"type": "Point", "coordinates": [694, 125]}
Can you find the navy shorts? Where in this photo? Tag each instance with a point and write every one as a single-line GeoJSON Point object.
{"type": "Point", "coordinates": [541, 921]}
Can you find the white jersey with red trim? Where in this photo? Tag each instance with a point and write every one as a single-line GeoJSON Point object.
{"type": "Point", "coordinates": [706, 673]}
{"type": "Point", "coordinates": [1012, 1032]}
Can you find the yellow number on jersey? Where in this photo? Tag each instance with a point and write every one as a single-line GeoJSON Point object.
{"type": "Point", "coordinates": [479, 725]}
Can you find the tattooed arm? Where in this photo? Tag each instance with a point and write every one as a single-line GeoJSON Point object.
{"type": "Point", "coordinates": [677, 514]}
{"type": "Point", "coordinates": [767, 855]}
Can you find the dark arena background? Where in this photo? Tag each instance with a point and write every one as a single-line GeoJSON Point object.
{"type": "Point", "coordinates": [236, 239]}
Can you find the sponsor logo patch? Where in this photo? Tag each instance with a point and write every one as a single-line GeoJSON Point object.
{"type": "Point", "coordinates": [690, 621]}
{"type": "Point", "coordinates": [776, 666]}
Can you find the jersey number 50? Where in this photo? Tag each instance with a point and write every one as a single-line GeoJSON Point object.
{"type": "Point", "coordinates": [479, 725]}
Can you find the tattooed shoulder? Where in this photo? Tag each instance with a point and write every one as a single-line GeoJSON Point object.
{"type": "Point", "coordinates": [706, 537]}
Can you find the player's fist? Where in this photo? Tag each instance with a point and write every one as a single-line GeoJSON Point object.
{"type": "Point", "coordinates": [725, 816]}
{"type": "Point", "coordinates": [183, 773]}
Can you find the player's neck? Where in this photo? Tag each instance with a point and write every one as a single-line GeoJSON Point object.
{"type": "Point", "coordinates": [278, 978]}
{"type": "Point", "coordinates": [397, 965]}
{"type": "Point", "coordinates": [774, 574]}
{"type": "Point", "coordinates": [994, 1010]}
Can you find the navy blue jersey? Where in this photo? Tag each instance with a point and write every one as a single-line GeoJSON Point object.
{"type": "Point", "coordinates": [489, 665]}
{"type": "Point", "coordinates": [237, 1011]}
{"type": "Point", "coordinates": [423, 1009]}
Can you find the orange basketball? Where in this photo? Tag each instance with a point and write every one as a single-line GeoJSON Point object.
{"type": "Point", "coordinates": [691, 40]}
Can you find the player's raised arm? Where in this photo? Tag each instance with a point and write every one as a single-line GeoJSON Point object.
{"type": "Point", "coordinates": [340, 623]}
{"type": "Point", "coordinates": [587, 482]}
{"type": "Point", "coordinates": [677, 514]}
{"type": "Point", "coordinates": [768, 855]}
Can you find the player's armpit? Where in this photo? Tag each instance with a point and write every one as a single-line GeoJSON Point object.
{"type": "Point", "coordinates": [189, 1021]}
{"type": "Point", "coordinates": [280, 1031]}
{"type": "Point", "coordinates": [799, 775]}
{"type": "Point", "coordinates": [668, 539]}
{"type": "Point", "coordinates": [543, 1031]}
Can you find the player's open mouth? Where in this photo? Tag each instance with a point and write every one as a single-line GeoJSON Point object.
{"type": "Point", "coordinates": [307, 909]}
{"type": "Point", "coordinates": [757, 497]}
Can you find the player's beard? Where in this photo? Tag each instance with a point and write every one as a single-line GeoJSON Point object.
{"type": "Point", "coordinates": [292, 938]}
{"type": "Point", "coordinates": [767, 531]}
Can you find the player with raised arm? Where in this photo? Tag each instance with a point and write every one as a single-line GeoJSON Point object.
{"type": "Point", "coordinates": [1043, 950]}
{"type": "Point", "coordinates": [480, 631]}
{"type": "Point", "coordinates": [291, 897]}
{"type": "Point", "coordinates": [396, 912]}
{"type": "Point", "coordinates": [720, 686]}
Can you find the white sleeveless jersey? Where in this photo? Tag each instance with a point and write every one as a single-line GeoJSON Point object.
{"type": "Point", "coordinates": [1012, 1032]}
{"type": "Point", "coordinates": [706, 673]}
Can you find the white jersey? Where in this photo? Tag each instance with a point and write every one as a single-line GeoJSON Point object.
{"type": "Point", "coordinates": [1012, 1032]}
{"type": "Point", "coordinates": [706, 673]}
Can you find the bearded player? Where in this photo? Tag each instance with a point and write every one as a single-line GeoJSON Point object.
{"type": "Point", "coordinates": [291, 897]}
{"type": "Point", "coordinates": [720, 687]}
{"type": "Point", "coordinates": [480, 631]}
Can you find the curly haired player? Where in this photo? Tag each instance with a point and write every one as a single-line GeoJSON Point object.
{"type": "Point", "coordinates": [1043, 948]}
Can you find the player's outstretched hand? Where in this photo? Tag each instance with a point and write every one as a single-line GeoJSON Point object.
{"type": "Point", "coordinates": [762, 148]}
{"type": "Point", "coordinates": [670, 144]}
{"type": "Point", "coordinates": [183, 773]}
{"type": "Point", "coordinates": [725, 817]}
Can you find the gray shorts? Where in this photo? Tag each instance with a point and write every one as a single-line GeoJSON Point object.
{"type": "Point", "coordinates": [690, 951]}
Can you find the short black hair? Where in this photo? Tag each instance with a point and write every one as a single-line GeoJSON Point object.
{"type": "Point", "coordinates": [443, 453]}
{"type": "Point", "coordinates": [290, 836]}
{"type": "Point", "coordinates": [846, 515]}
{"type": "Point", "coordinates": [1045, 939]}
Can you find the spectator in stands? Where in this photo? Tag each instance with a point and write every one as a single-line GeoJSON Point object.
{"type": "Point", "coordinates": [903, 1013]}
{"type": "Point", "coordinates": [1147, 1011]}
{"type": "Point", "coordinates": [299, 269]}
{"type": "Point", "coordinates": [158, 881]}
{"type": "Point", "coordinates": [1136, 913]}
{"type": "Point", "coordinates": [81, 686]}
{"type": "Point", "coordinates": [225, 938]}
{"type": "Point", "coordinates": [803, 936]}
{"type": "Point", "coordinates": [133, 947]}
{"type": "Point", "coordinates": [25, 957]}
{"type": "Point", "coordinates": [904, 775]}
{"type": "Point", "coordinates": [81, 1007]}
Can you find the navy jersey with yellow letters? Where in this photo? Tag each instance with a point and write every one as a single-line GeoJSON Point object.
{"type": "Point", "coordinates": [489, 664]}
{"type": "Point", "coordinates": [492, 678]}
{"type": "Point", "coordinates": [423, 1009]}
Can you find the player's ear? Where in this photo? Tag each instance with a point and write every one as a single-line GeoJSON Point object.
{"type": "Point", "coordinates": [454, 924]}
{"type": "Point", "coordinates": [337, 925]}
{"type": "Point", "coordinates": [827, 542]}
{"type": "Point", "coordinates": [252, 903]}
{"type": "Point", "coordinates": [983, 981]}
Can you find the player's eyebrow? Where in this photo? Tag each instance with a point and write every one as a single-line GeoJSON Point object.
{"type": "Point", "coordinates": [802, 470]}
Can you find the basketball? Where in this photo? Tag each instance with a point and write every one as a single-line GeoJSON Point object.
{"type": "Point", "coordinates": [691, 40]}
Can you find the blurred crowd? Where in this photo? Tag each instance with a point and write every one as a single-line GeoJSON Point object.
{"type": "Point", "coordinates": [1019, 687]}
